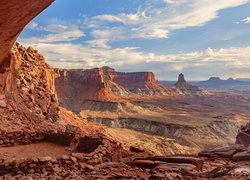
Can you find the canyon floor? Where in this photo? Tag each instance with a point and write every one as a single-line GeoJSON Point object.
{"type": "Point", "coordinates": [191, 123]}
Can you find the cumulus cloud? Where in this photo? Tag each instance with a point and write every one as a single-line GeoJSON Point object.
{"type": "Point", "coordinates": [98, 43]}
{"type": "Point", "coordinates": [197, 65]}
{"type": "Point", "coordinates": [58, 32]}
{"type": "Point", "coordinates": [158, 18]}
{"type": "Point", "coordinates": [246, 20]}
{"type": "Point", "coordinates": [32, 25]}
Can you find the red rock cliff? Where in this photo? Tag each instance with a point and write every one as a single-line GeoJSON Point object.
{"type": "Point", "coordinates": [107, 78]}
{"type": "Point", "coordinates": [14, 16]}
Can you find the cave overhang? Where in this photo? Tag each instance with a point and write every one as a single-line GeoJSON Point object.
{"type": "Point", "coordinates": [14, 16]}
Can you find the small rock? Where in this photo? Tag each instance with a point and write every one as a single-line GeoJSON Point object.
{"type": "Point", "coordinates": [45, 159]}
{"type": "Point", "coordinates": [65, 157]}
{"type": "Point", "coordinates": [135, 149]}
{"type": "Point", "coordinates": [73, 159]}
{"type": "Point", "coordinates": [2, 96]}
{"type": "Point", "coordinates": [77, 155]}
{"type": "Point", "coordinates": [6, 141]}
{"type": "Point", "coordinates": [3, 104]}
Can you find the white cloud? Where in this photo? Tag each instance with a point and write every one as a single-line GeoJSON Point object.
{"type": "Point", "coordinates": [58, 32]}
{"type": "Point", "coordinates": [32, 25]}
{"type": "Point", "coordinates": [98, 43]}
{"type": "Point", "coordinates": [154, 21]}
{"type": "Point", "coordinates": [158, 18]}
{"type": "Point", "coordinates": [246, 20]}
{"type": "Point", "coordinates": [197, 65]}
{"type": "Point", "coordinates": [122, 18]}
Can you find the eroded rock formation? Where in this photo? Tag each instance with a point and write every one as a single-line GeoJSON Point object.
{"type": "Point", "coordinates": [14, 16]}
{"type": "Point", "coordinates": [184, 86]}
{"type": "Point", "coordinates": [77, 87]}
{"type": "Point", "coordinates": [32, 102]}
{"type": "Point", "coordinates": [118, 83]}
{"type": "Point", "coordinates": [243, 136]}
{"type": "Point", "coordinates": [36, 82]}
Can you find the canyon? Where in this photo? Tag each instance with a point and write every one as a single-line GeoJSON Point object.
{"type": "Point", "coordinates": [191, 117]}
{"type": "Point", "coordinates": [41, 138]}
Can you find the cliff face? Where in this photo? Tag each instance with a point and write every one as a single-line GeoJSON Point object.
{"type": "Point", "coordinates": [105, 83]}
{"type": "Point", "coordinates": [20, 106]}
{"type": "Point", "coordinates": [76, 87]}
{"type": "Point", "coordinates": [32, 102]}
{"type": "Point", "coordinates": [36, 82]}
{"type": "Point", "coordinates": [14, 16]}
{"type": "Point", "coordinates": [133, 82]}
{"type": "Point", "coordinates": [117, 82]}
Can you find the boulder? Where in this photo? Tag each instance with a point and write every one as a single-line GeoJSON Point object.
{"type": "Point", "coordinates": [225, 151]}
{"type": "Point", "coordinates": [145, 164]}
{"type": "Point", "coordinates": [45, 159]}
{"type": "Point", "coordinates": [243, 136]}
{"type": "Point", "coordinates": [242, 156]}
{"type": "Point", "coordinates": [89, 144]}
{"type": "Point", "coordinates": [3, 104]}
{"type": "Point", "coordinates": [135, 149]}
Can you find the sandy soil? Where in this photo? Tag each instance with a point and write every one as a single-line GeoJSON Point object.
{"type": "Point", "coordinates": [33, 151]}
{"type": "Point", "coordinates": [157, 145]}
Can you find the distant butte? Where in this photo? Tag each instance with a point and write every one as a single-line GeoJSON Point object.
{"type": "Point", "coordinates": [182, 83]}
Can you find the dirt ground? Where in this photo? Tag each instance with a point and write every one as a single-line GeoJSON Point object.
{"type": "Point", "coordinates": [43, 149]}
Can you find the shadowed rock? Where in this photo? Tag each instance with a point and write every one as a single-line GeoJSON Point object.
{"type": "Point", "coordinates": [14, 16]}
{"type": "Point", "coordinates": [243, 136]}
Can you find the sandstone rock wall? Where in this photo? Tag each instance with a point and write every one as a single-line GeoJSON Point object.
{"type": "Point", "coordinates": [28, 137]}
{"type": "Point", "coordinates": [28, 99]}
{"type": "Point", "coordinates": [118, 83]}
{"type": "Point", "coordinates": [14, 16]}
{"type": "Point", "coordinates": [36, 82]}
{"type": "Point", "coordinates": [7, 76]}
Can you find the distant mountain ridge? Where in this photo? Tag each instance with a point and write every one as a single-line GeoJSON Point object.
{"type": "Point", "coordinates": [216, 83]}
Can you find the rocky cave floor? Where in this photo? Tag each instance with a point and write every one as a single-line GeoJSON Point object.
{"type": "Point", "coordinates": [72, 155]}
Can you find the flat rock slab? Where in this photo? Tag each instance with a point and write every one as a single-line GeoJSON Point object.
{"type": "Point", "coordinates": [42, 150]}
{"type": "Point", "coordinates": [242, 156]}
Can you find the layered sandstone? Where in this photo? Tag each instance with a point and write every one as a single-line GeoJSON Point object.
{"type": "Point", "coordinates": [81, 89]}
{"type": "Point", "coordinates": [32, 103]}
{"type": "Point", "coordinates": [185, 87]}
{"type": "Point", "coordinates": [14, 16]}
{"type": "Point", "coordinates": [243, 136]}
{"type": "Point", "coordinates": [77, 87]}
{"type": "Point", "coordinates": [36, 82]}
{"type": "Point", "coordinates": [118, 83]}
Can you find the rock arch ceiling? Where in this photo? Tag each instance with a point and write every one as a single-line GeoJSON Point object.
{"type": "Point", "coordinates": [14, 16]}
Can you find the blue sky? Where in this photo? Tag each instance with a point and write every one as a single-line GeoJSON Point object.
{"type": "Point", "coordinates": [200, 38]}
